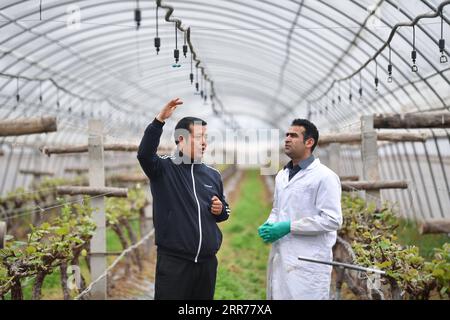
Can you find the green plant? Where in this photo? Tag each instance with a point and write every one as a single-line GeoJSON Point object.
{"type": "Point", "coordinates": [48, 246]}
{"type": "Point", "coordinates": [121, 211]}
{"type": "Point", "coordinates": [63, 239]}
{"type": "Point", "coordinates": [439, 267]}
{"type": "Point", "coordinates": [372, 234]}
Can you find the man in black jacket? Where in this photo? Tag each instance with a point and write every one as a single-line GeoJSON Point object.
{"type": "Point", "coordinates": [188, 202]}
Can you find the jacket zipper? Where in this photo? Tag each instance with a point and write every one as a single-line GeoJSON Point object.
{"type": "Point", "coordinates": [199, 216]}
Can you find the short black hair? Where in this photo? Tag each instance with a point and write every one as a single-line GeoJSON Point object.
{"type": "Point", "coordinates": [185, 124]}
{"type": "Point", "coordinates": [310, 130]}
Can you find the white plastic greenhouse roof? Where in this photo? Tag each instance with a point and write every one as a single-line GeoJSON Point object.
{"type": "Point", "coordinates": [269, 61]}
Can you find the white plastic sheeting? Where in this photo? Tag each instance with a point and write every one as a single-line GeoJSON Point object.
{"type": "Point", "coordinates": [270, 61]}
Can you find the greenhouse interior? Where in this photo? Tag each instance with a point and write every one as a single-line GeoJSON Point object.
{"type": "Point", "coordinates": [225, 150]}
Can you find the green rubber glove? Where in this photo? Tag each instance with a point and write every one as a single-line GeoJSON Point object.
{"type": "Point", "coordinates": [262, 228]}
{"type": "Point", "coordinates": [273, 232]}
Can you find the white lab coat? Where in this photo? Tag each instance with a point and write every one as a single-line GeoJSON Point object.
{"type": "Point", "coordinates": [312, 202]}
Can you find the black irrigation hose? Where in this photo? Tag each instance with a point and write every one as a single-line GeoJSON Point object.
{"type": "Point", "coordinates": [197, 60]}
{"type": "Point", "coordinates": [387, 43]}
{"type": "Point", "coordinates": [58, 87]}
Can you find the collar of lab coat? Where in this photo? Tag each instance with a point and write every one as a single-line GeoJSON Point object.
{"type": "Point", "coordinates": [302, 164]}
{"type": "Point", "coordinates": [301, 173]}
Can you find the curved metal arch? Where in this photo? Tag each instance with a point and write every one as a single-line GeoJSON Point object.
{"type": "Point", "coordinates": [249, 85]}
{"type": "Point", "coordinates": [424, 80]}
{"type": "Point", "coordinates": [126, 53]}
{"type": "Point", "coordinates": [30, 65]}
{"type": "Point", "coordinates": [414, 85]}
{"type": "Point", "coordinates": [351, 19]}
{"type": "Point", "coordinates": [54, 41]}
{"type": "Point", "coordinates": [419, 91]}
{"type": "Point", "coordinates": [362, 39]}
{"type": "Point", "coordinates": [405, 92]}
{"type": "Point", "coordinates": [65, 4]}
{"type": "Point", "coordinates": [425, 58]}
{"type": "Point", "coordinates": [64, 117]}
{"type": "Point", "coordinates": [248, 88]}
{"type": "Point", "coordinates": [356, 35]}
{"type": "Point", "coordinates": [176, 77]}
{"type": "Point", "coordinates": [124, 66]}
{"type": "Point", "coordinates": [368, 30]}
{"type": "Point", "coordinates": [407, 41]}
{"type": "Point", "coordinates": [394, 91]}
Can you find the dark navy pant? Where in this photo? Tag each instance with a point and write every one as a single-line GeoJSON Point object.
{"type": "Point", "coordinates": [181, 279]}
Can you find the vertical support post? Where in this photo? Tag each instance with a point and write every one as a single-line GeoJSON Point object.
{"type": "Point", "coordinates": [369, 155]}
{"type": "Point", "coordinates": [334, 157]}
{"type": "Point", "coordinates": [37, 155]}
{"type": "Point", "coordinates": [36, 216]}
{"type": "Point", "coordinates": [2, 234]}
{"type": "Point", "coordinates": [97, 179]}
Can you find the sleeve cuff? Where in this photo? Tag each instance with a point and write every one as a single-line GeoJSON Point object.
{"type": "Point", "coordinates": [158, 123]}
{"type": "Point", "coordinates": [223, 215]}
{"type": "Point", "coordinates": [226, 210]}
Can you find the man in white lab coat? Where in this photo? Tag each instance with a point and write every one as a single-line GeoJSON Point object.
{"type": "Point", "coordinates": [303, 222]}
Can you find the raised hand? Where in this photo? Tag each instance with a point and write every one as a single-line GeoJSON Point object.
{"type": "Point", "coordinates": [168, 109]}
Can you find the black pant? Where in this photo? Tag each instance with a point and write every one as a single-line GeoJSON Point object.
{"type": "Point", "coordinates": [181, 279]}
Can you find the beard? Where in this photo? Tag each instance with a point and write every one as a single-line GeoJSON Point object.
{"type": "Point", "coordinates": [288, 151]}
